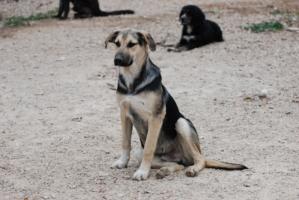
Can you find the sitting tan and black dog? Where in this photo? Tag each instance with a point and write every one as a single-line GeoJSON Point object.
{"type": "Point", "coordinates": [197, 30]}
{"type": "Point", "coordinates": [169, 140]}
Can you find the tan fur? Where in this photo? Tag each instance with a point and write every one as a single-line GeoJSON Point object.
{"type": "Point", "coordinates": [145, 104]}
{"type": "Point", "coordinates": [165, 168]}
{"type": "Point", "coordinates": [149, 107]}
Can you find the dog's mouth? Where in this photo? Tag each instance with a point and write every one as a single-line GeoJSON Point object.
{"type": "Point", "coordinates": [185, 21]}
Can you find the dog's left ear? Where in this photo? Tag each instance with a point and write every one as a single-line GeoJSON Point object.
{"type": "Point", "coordinates": [111, 38]}
{"type": "Point", "coordinates": [148, 40]}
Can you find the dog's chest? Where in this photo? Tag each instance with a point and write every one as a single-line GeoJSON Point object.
{"type": "Point", "coordinates": [141, 105]}
{"type": "Point", "coordinates": [139, 108]}
{"type": "Point", "coordinates": [188, 34]}
{"type": "Point", "coordinates": [189, 29]}
{"type": "Point", "coordinates": [188, 37]}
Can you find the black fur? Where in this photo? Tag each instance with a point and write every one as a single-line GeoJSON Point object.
{"type": "Point", "coordinates": [120, 88]}
{"type": "Point", "coordinates": [171, 117]}
{"type": "Point", "coordinates": [203, 31]}
{"type": "Point", "coordinates": [86, 8]}
{"type": "Point", "coordinates": [64, 8]}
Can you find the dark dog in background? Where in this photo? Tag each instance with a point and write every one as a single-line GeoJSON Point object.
{"type": "Point", "coordinates": [197, 30]}
{"type": "Point", "coordinates": [85, 9]}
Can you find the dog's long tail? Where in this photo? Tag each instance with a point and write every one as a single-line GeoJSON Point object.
{"type": "Point", "coordinates": [116, 12]}
{"type": "Point", "coordinates": [224, 165]}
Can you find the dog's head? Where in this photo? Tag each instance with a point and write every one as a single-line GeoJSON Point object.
{"type": "Point", "coordinates": [191, 15]}
{"type": "Point", "coordinates": [132, 47]}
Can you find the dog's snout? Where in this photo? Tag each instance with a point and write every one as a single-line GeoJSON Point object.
{"type": "Point", "coordinates": [183, 17]}
{"type": "Point", "coordinates": [119, 60]}
{"type": "Point", "coordinates": [122, 59]}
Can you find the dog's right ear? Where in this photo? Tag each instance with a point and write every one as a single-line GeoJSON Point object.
{"type": "Point", "coordinates": [111, 38]}
{"type": "Point", "coordinates": [148, 39]}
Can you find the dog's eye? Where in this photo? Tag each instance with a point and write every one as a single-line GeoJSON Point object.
{"type": "Point", "coordinates": [117, 44]}
{"type": "Point", "coordinates": [131, 44]}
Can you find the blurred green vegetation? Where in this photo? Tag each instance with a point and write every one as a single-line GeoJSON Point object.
{"type": "Point", "coordinates": [17, 21]}
{"type": "Point", "coordinates": [264, 26]}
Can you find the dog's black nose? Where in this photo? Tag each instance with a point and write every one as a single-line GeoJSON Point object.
{"type": "Point", "coordinates": [118, 60]}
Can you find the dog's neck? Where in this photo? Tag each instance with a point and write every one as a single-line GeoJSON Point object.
{"type": "Point", "coordinates": [137, 78]}
{"type": "Point", "coordinates": [130, 73]}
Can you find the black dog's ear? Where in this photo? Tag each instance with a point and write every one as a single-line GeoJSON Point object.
{"type": "Point", "coordinates": [148, 39]}
{"type": "Point", "coordinates": [198, 14]}
{"type": "Point", "coordinates": [111, 38]}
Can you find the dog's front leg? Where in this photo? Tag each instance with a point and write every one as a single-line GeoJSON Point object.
{"type": "Point", "coordinates": [154, 125]}
{"type": "Point", "coordinates": [126, 125]}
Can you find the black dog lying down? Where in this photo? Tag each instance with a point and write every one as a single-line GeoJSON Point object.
{"type": "Point", "coordinates": [85, 9]}
{"type": "Point", "coordinates": [197, 31]}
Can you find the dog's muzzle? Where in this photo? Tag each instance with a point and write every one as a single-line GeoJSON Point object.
{"type": "Point", "coordinates": [122, 60]}
{"type": "Point", "coordinates": [184, 19]}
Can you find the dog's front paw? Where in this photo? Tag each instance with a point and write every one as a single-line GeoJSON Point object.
{"type": "Point", "coordinates": [141, 174]}
{"type": "Point", "coordinates": [119, 164]}
{"type": "Point", "coordinates": [171, 49]}
{"type": "Point", "coordinates": [176, 50]}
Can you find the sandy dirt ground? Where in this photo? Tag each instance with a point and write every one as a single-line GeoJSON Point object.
{"type": "Point", "coordinates": [59, 122]}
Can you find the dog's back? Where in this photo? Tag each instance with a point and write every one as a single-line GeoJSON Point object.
{"type": "Point", "coordinates": [207, 33]}
{"type": "Point", "coordinates": [217, 31]}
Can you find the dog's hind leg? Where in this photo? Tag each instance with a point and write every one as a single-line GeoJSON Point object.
{"type": "Point", "coordinates": [190, 147]}
{"type": "Point", "coordinates": [165, 167]}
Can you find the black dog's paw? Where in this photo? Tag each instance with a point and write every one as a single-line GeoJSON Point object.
{"type": "Point", "coordinates": [177, 50]}
{"type": "Point", "coordinates": [173, 50]}
{"type": "Point", "coordinates": [59, 17]}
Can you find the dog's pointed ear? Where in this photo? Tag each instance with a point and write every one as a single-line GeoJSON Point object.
{"type": "Point", "coordinates": [111, 38]}
{"type": "Point", "coordinates": [148, 40]}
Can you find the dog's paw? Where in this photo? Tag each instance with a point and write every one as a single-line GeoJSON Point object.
{"type": "Point", "coordinates": [162, 172]}
{"type": "Point", "coordinates": [140, 175]}
{"type": "Point", "coordinates": [192, 171]}
{"type": "Point", "coordinates": [171, 50]}
{"type": "Point", "coordinates": [119, 164]}
{"type": "Point", "coordinates": [176, 50]}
